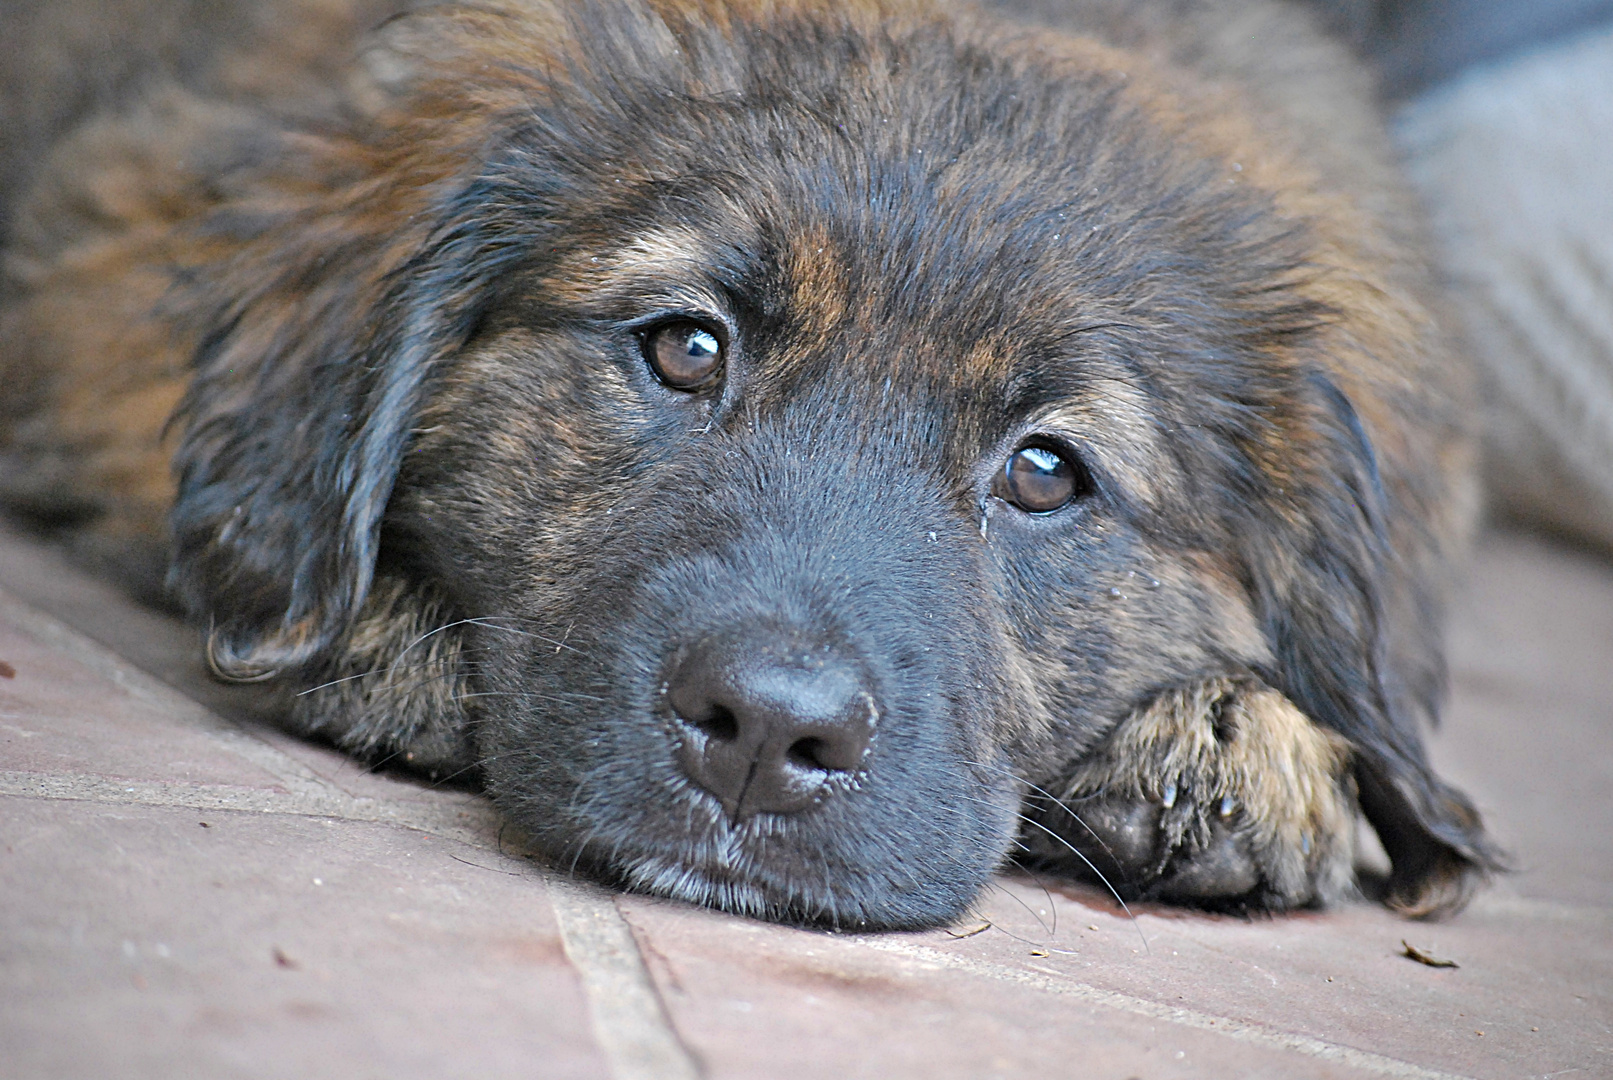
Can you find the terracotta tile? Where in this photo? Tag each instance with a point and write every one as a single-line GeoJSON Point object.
{"type": "Point", "coordinates": [140, 943]}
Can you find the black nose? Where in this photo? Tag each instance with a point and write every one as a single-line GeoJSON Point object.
{"type": "Point", "coordinates": [769, 718]}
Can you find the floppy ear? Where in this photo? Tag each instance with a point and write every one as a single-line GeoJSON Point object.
{"type": "Point", "coordinates": [1355, 633]}
{"type": "Point", "coordinates": [339, 273]}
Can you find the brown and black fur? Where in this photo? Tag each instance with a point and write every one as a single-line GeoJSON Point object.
{"type": "Point", "coordinates": [396, 306]}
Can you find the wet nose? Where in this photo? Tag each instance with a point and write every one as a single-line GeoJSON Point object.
{"type": "Point", "coordinates": [769, 719]}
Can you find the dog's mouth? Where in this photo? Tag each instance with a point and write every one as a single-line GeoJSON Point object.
{"type": "Point", "coordinates": [847, 868]}
{"type": "Point", "coordinates": [732, 878]}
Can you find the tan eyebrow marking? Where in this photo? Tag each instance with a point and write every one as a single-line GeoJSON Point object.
{"type": "Point", "coordinates": [668, 261]}
{"type": "Point", "coordinates": [1126, 438]}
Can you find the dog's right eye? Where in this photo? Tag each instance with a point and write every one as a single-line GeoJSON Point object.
{"type": "Point", "coordinates": [683, 354]}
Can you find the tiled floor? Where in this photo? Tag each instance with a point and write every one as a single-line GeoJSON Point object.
{"type": "Point", "coordinates": [185, 892]}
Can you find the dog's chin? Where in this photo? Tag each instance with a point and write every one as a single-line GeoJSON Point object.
{"type": "Point", "coordinates": [794, 868]}
{"type": "Point", "coordinates": [807, 904]}
{"type": "Point", "coordinates": [735, 882]}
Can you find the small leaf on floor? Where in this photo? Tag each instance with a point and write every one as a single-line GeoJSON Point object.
{"type": "Point", "coordinates": [1414, 953]}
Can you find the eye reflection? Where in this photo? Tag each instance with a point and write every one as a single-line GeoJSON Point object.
{"type": "Point", "coordinates": [683, 354]}
{"type": "Point", "coordinates": [1039, 479]}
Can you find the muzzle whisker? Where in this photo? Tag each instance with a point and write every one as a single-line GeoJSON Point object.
{"type": "Point", "coordinates": [1101, 877]}
{"type": "Point", "coordinates": [487, 621]}
{"type": "Point", "coordinates": [1060, 803]}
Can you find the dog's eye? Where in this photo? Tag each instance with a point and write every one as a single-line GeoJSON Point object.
{"type": "Point", "coordinates": [683, 354]}
{"type": "Point", "coordinates": [1040, 479]}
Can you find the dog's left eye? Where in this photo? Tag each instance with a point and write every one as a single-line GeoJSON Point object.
{"type": "Point", "coordinates": [683, 354]}
{"type": "Point", "coordinates": [1041, 479]}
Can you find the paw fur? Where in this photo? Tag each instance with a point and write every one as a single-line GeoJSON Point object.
{"type": "Point", "coordinates": [1220, 793]}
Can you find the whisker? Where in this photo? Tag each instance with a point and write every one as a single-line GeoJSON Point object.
{"type": "Point", "coordinates": [1022, 940]}
{"type": "Point", "coordinates": [335, 682]}
{"type": "Point", "coordinates": [381, 761]}
{"type": "Point", "coordinates": [1106, 884]}
{"type": "Point", "coordinates": [486, 621]}
{"type": "Point", "coordinates": [477, 764]}
{"type": "Point", "coordinates": [1047, 893]}
{"type": "Point", "coordinates": [1060, 803]}
{"type": "Point", "coordinates": [1090, 865]}
{"type": "Point", "coordinates": [1050, 931]}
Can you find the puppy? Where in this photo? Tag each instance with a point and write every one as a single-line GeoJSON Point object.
{"type": "Point", "coordinates": [797, 454]}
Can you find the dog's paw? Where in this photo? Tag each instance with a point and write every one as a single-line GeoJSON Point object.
{"type": "Point", "coordinates": [1220, 794]}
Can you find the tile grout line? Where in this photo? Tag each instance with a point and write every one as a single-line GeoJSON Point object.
{"type": "Point", "coordinates": [331, 801]}
{"type": "Point", "coordinates": [447, 824]}
{"type": "Point", "coordinates": [306, 792]}
{"type": "Point", "coordinates": [1241, 1030]}
{"type": "Point", "coordinates": [630, 1022]}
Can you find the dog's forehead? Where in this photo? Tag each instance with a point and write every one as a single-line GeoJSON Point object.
{"type": "Point", "coordinates": [982, 197]}
{"type": "Point", "coordinates": [998, 245]}
{"type": "Point", "coordinates": [931, 199]}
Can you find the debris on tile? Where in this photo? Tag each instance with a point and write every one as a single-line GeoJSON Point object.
{"type": "Point", "coordinates": [7, 671]}
{"type": "Point", "coordinates": [981, 929]}
{"type": "Point", "coordinates": [1414, 953]}
{"type": "Point", "coordinates": [282, 960]}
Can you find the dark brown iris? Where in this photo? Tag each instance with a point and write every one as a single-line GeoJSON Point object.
{"type": "Point", "coordinates": [683, 354]}
{"type": "Point", "coordinates": [1039, 480]}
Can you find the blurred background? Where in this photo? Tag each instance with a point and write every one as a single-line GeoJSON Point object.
{"type": "Point", "coordinates": [1504, 111]}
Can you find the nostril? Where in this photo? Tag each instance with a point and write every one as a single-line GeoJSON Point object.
{"type": "Point", "coordinates": [841, 751]}
{"type": "Point", "coordinates": [721, 724]}
{"type": "Point", "coordinates": [808, 754]}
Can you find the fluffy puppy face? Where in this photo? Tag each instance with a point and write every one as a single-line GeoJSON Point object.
{"type": "Point", "coordinates": [771, 443]}
{"type": "Point", "coordinates": [836, 482]}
